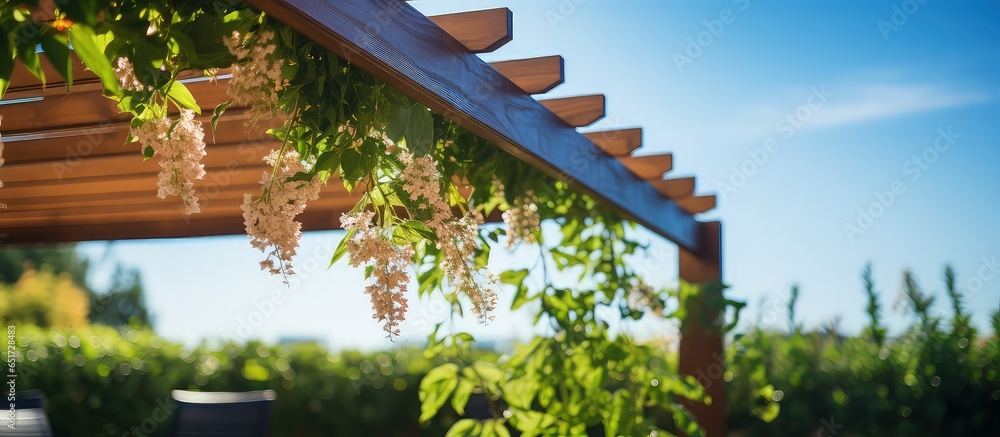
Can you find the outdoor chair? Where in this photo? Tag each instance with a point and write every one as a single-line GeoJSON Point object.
{"type": "Point", "coordinates": [30, 417]}
{"type": "Point", "coordinates": [221, 413]}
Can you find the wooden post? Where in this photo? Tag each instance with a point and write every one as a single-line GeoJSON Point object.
{"type": "Point", "coordinates": [701, 350]}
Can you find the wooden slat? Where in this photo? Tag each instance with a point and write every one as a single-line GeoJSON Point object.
{"type": "Point", "coordinates": [166, 209]}
{"type": "Point", "coordinates": [697, 204]}
{"type": "Point", "coordinates": [206, 194]}
{"type": "Point", "coordinates": [649, 167]}
{"type": "Point", "coordinates": [579, 111]}
{"type": "Point", "coordinates": [621, 142]}
{"type": "Point", "coordinates": [67, 110]}
{"type": "Point", "coordinates": [675, 188]}
{"type": "Point", "coordinates": [407, 53]}
{"type": "Point", "coordinates": [535, 75]}
{"type": "Point", "coordinates": [231, 156]}
{"type": "Point", "coordinates": [479, 31]}
{"type": "Point", "coordinates": [68, 144]}
{"type": "Point", "coordinates": [311, 219]}
{"type": "Point", "coordinates": [121, 184]}
{"type": "Point", "coordinates": [24, 84]}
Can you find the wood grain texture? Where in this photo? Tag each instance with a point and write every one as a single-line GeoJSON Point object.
{"type": "Point", "coordinates": [675, 188]}
{"type": "Point", "coordinates": [620, 142]}
{"type": "Point", "coordinates": [399, 45]}
{"type": "Point", "coordinates": [697, 204]}
{"type": "Point", "coordinates": [701, 353]}
{"type": "Point", "coordinates": [649, 167]}
{"type": "Point", "coordinates": [535, 75]}
{"type": "Point", "coordinates": [479, 31]}
{"type": "Point", "coordinates": [173, 228]}
{"type": "Point", "coordinates": [579, 111]}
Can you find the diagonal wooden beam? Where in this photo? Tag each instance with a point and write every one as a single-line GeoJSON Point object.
{"type": "Point", "coordinates": [535, 75]}
{"type": "Point", "coordinates": [479, 31]}
{"type": "Point", "coordinates": [621, 142]}
{"type": "Point", "coordinates": [579, 111]}
{"type": "Point", "coordinates": [412, 54]}
{"type": "Point", "coordinates": [675, 188]}
{"type": "Point", "coordinates": [649, 167]}
{"type": "Point", "coordinates": [697, 204]}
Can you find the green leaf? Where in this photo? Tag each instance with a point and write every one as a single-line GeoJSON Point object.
{"type": "Point", "coordinates": [6, 62]}
{"type": "Point", "coordinates": [435, 389]}
{"type": "Point", "coordinates": [90, 48]}
{"type": "Point", "coordinates": [419, 130]}
{"type": "Point", "coordinates": [686, 422]}
{"type": "Point", "coordinates": [464, 427]}
{"type": "Point", "coordinates": [411, 232]}
{"type": "Point", "coordinates": [147, 152]}
{"type": "Point", "coordinates": [57, 52]}
{"type": "Point", "coordinates": [342, 247]}
{"type": "Point", "coordinates": [181, 96]}
{"type": "Point", "coordinates": [84, 11]}
{"type": "Point", "coordinates": [395, 128]}
{"type": "Point", "coordinates": [219, 110]}
{"type": "Point", "coordinates": [28, 53]}
{"type": "Point", "coordinates": [461, 397]}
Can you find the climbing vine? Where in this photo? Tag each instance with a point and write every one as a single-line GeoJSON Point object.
{"type": "Point", "coordinates": [426, 185]}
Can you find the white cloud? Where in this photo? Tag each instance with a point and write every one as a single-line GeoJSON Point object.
{"type": "Point", "coordinates": [858, 104]}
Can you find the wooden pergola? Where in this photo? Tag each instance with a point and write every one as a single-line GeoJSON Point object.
{"type": "Point", "coordinates": [69, 176]}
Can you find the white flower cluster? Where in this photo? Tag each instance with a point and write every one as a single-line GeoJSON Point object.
{"type": "Point", "coordinates": [457, 238]}
{"type": "Point", "coordinates": [373, 246]}
{"type": "Point", "coordinates": [643, 297]}
{"type": "Point", "coordinates": [270, 217]}
{"type": "Point", "coordinates": [256, 74]}
{"type": "Point", "coordinates": [126, 75]}
{"type": "Point", "coordinates": [522, 220]}
{"type": "Point", "coordinates": [2, 161]}
{"type": "Point", "coordinates": [180, 144]}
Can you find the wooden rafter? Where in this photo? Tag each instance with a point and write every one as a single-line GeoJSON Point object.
{"type": "Point", "coordinates": [535, 75]}
{"type": "Point", "coordinates": [479, 31]}
{"type": "Point", "coordinates": [649, 167]}
{"type": "Point", "coordinates": [408, 54]}
{"type": "Point", "coordinates": [621, 142]}
{"type": "Point", "coordinates": [579, 111]}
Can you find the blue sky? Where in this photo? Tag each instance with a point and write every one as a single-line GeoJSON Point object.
{"type": "Point", "coordinates": [797, 114]}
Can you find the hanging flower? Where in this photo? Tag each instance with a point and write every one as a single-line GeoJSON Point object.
{"type": "Point", "coordinates": [372, 246]}
{"type": "Point", "coordinates": [522, 219]}
{"type": "Point", "coordinates": [270, 218]}
{"type": "Point", "coordinates": [457, 238]}
{"type": "Point", "coordinates": [126, 75]}
{"type": "Point", "coordinates": [256, 77]}
{"type": "Point", "coordinates": [643, 297]}
{"type": "Point", "coordinates": [180, 145]}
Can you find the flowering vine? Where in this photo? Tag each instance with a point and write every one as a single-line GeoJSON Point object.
{"type": "Point", "coordinates": [270, 218]}
{"type": "Point", "coordinates": [180, 145]}
{"type": "Point", "coordinates": [425, 186]}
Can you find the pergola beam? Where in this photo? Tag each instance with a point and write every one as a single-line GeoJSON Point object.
{"type": "Point", "coordinates": [535, 75]}
{"type": "Point", "coordinates": [479, 31]}
{"type": "Point", "coordinates": [401, 46]}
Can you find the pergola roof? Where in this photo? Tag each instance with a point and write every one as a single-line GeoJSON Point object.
{"type": "Point", "coordinates": [69, 176]}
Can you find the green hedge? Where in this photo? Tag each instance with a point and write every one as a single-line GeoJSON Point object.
{"type": "Point", "coordinates": [99, 382]}
{"type": "Point", "coordinates": [939, 378]}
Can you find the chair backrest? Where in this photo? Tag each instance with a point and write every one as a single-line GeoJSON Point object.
{"type": "Point", "coordinates": [221, 413]}
{"type": "Point", "coordinates": [30, 418]}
